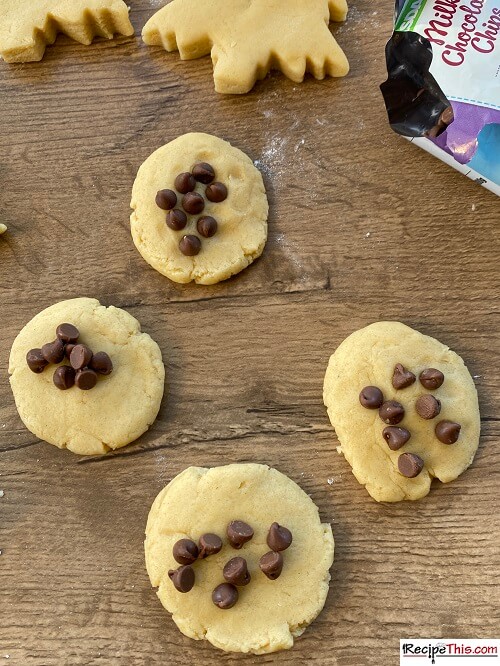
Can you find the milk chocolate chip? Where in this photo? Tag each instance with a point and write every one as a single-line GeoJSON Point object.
{"type": "Point", "coordinates": [216, 192]}
{"type": "Point", "coordinates": [401, 377]}
{"type": "Point", "coordinates": [101, 363]}
{"type": "Point", "coordinates": [36, 361]}
{"type": "Point", "coordinates": [80, 357]}
{"type": "Point", "coordinates": [447, 431]}
{"type": "Point", "coordinates": [371, 397]}
{"type": "Point", "coordinates": [185, 551]}
{"type": "Point", "coordinates": [86, 379]}
{"type": "Point", "coordinates": [238, 533]}
{"type": "Point", "coordinates": [67, 333]}
{"type": "Point", "coordinates": [410, 465]}
{"type": "Point", "coordinates": [176, 219]}
{"type": "Point", "coordinates": [236, 571]}
{"type": "Point", "coordinates": [182, 578]}
{"type": "Point", "coordinates": [427, 406]}
{"type": "Point", "coordinates": [225, 596]}
{"type": "Point", "coordinates": [185, 183]}
{"type": "Point", "coordinates": [166, 199]}
{"type": "Point", "coordinates": [190, 245]}
{"type": "Point", "coordinates": [271, 564]}
{"type": "Point", "coordinates": [64, 377]}
{"type": "Point", "coordinates": [431, 378]}
{"type": "Point", "coordinates": [203, 172]}
{"type": "Point", "coordinates": [207, 226]}
{"type": "Point", "coordinates": [279, 537]}
{"type": "Point", "coordinates": [53, 352]}
{"type": "Point", "coordinates": [193, 203]}
{"type": "Point", "coordinates": [391, 412]}
{"type": "Point", "coordinates": [396, 437]}
{"type": "Point", "coordinates": [68, 349]}
{"type": "Point", "coordinates": [209, 544]}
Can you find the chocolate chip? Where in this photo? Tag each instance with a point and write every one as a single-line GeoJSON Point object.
{"type": "Point", "coordinates": [185, 551]}
{"type": "Point", "coordinates": [209, 544]}
{"type": "Point", "coordinates": [67, 333]}
{"type": "Point", "coordinates": [36, 361]}
{"type": "Point", "coordinates": [193, 203]}
{"type": "Point", "coordinates": [185, 183]}
{"type": "Point", "coordinates": [447, 431]}
{"type": "Point", "coordinates": [190, 245]}
{"type": "Point", "coordinates": [401, 377]}
{"type": "Point", "coordinates": [431, 379]}
{"type": "Point", "coordinates": [427, 406]}
{"type": "Point", "coordinates": [391, 412]}
{"type": "Point", "coordinates": [86, 379]}
{"type": "Point", "coordinates": [216, 192]}
{"type": "Point", "coordinates": [396, 437]}
{"type": "Point", "coordinates": [238, 533]}
{"type": "Point", "coordinates": [101, 363]}
{"type": "Point", "coordinates": [279, 537]}
{"type": "Point", "coordinates": [64, 377]}
{"type": "Point", "coordinates": [371, 397]}
{"type": "Point", "coordinates": [68, 349]}
{"type": "Point", "coordinates": [80, 356]}
{"type": "Point", "coordinates": [166, 199]}
{"type": "Point", "coordinates": [236, 571]}
{"type": "Point", "coordinates": [271, 564]}
{"type": "Point", "coordinates": [203, 172]}
{"type": "Point", "coordinates": [410, 465]}
{"type": "Point", "coordinates": [53, 352]}
{"type": "Point", "coordinates": [176, 219]}
{"type": "Point", "coordinates": [207, 226]}
{"type": "Point", "coordinates": [182, 578]}
{"type": "Point", "coordinates": [225, 596]}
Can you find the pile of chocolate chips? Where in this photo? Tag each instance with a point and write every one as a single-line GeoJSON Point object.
{"type": "Point", "coordinates": [192, 203]}
{"type": "Point", "coordinates": [84, 365]}
{"type": "Point", "coordinates": [235, 571]}
{"type": "Point", "coordinates": [392, 413]}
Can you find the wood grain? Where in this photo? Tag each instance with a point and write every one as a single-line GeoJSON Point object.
{"type": "Point", "coordinates": [363, 227]}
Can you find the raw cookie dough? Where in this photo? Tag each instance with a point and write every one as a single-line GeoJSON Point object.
{"type": "Point", "coordinates": [269, 614]}
{"type": "Point", "coordinates": [118, 409]}
{"type": "Point", "coordinates": [367, 358]}
{"type": "Point", "coordinates": [27, 26]}
{"type": "Point", "coordinates": [242, 217]}
{"type": "Point", "coordinates": [248, 38]}
{"type": "Point", "coordinates": [3, 228]}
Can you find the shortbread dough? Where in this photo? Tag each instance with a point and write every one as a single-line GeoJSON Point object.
{"type": "Point", "coordinates": [242, 217]}
{"type": "Point", "coordinates": [367, 358]}
{"type": "Point", "coordinates": [248, 38]}
{"type": "Point", "coordinates": [118, 409]}
{"type": "Point", "coordinates": [269, 614]}
{"type": "Point", "coordinates": [27, 26]}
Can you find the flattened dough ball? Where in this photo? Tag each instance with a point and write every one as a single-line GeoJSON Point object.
{"type": "Point", "coordinates": [269, 613]}
{"type": "Point", "coordinates": [367, 358]}
{"type": "Point", "coordinates": [118, 409]}
{"type": "Point", "coordinates": [241, 217]}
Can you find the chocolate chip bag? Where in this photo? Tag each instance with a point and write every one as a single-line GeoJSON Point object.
{"type": "Point", "coordinates": [443, 85]}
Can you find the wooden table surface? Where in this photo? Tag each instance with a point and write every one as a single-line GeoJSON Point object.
{"type": "Point", "coordinates": [363, 227]}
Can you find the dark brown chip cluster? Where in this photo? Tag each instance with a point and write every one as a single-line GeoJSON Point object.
{"type": "Point", "coordinates": [392, 413]}
{"type": "Point", "coordinates": [84, 366]}
{"type": "Point", "coordinates": [193, 203]}
{"type": "Point", "coordinates": [235, 572]}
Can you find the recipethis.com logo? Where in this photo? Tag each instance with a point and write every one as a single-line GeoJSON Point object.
{"type": "Point", "coordinates": [449, 651]}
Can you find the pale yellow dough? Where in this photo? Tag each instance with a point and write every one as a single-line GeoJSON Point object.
{"type": "Point", "coordinates": [3, 228]}
{"type": "Point", "coordinates": [121, 406]}
{"type": "Point", "coordinates": [269, 614]}
{"type": "Point", "coordinates": [248, 38]}
{"type": "Point", "coordinates": [242, 217]}
{"type": "Point", "coordinates": [367, 358]}
{"type": "Point", "coordinates": [27, 26]}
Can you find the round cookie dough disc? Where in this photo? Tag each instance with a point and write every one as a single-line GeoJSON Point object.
{"type": "Point", "coordinates": [269, 614]}
{"type": "Point", "coordinates": [118, 409]}
{"type": "Point", "coordinates": [367, 358]}
{"type": "Point", "coordinates": [242, 217]}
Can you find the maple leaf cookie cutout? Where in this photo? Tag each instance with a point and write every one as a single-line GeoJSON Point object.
{"type": "Point", "coordinates": [247, 38]}
{"type": "Point", "coordinates": [27, 26]}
